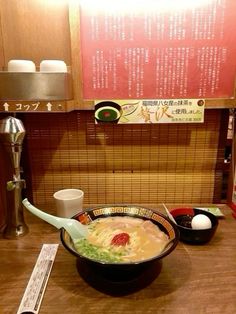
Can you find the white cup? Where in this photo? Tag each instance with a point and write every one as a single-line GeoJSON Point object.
{"type": "Point", "coordinates": [21, 66]}
{"type": "Point", "coordinates": [53, 66]}
{"type": "Point", "coordinates": [68, 202]}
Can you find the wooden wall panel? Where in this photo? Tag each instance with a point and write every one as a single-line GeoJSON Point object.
{"type": "Point", "coordinates": [1, 42]}
{"type": "Point", "coordinates": [35, 30]}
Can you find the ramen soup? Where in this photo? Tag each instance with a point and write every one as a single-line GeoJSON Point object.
{"type": "Point", "coordinates": [121, 240]}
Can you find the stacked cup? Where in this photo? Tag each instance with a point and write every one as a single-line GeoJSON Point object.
{"type": "Point", "coordinates": [58, 66]}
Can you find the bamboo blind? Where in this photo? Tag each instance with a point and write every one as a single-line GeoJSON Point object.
{"type": "Point", "coordinates": [151, 163]}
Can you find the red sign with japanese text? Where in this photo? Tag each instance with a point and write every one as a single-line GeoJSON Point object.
{"type": "Point", "coordinates": [158, 49]}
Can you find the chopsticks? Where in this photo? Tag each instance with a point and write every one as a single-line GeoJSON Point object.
{"type": "Point", "coordinates": [169, 214]}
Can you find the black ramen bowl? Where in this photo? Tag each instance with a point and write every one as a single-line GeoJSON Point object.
{"type": "Point", "coordinates": [126, 271]}
{"type": "Point", "coordinates": [183, 218]}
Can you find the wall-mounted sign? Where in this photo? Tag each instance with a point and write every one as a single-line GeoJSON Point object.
{"type": "Point", "coordinates": [158, 49]}
{"type": "Point", "coordinates": [33, 106]}
{"type": "Point", "coordinates": [150, 111]}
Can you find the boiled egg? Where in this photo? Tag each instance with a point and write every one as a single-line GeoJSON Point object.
{"type": "Point", "coordinates": [201, 222]}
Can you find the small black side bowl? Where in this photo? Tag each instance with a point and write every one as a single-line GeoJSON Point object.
{"type": "Point", "coordinates": [129, 270]}
{"type": "Point", "coordinates": [183, 217]}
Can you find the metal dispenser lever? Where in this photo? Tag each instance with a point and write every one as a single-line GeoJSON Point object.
{"type": "Point", "coordinates": [12, 133]}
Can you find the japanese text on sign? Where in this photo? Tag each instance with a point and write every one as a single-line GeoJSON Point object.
{"type": "Point", "coordinates": [150, 111]}
{"type": "Point", "coordinates": [159, 49]}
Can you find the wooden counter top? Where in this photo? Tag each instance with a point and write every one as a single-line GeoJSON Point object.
{"type": "Point", "coordinates": [193, 279]}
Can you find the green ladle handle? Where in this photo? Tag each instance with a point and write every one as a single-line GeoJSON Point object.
{"type": "Point", "coordinates": [53, 220]}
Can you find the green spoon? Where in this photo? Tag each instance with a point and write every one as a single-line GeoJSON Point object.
{"type": "Point", "coordinates": [73, 227]}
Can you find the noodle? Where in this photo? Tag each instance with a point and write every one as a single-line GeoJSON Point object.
{"type": "Point", "coordinates": [122, 239]}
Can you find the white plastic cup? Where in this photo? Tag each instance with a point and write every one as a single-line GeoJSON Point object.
{"type": "Point", "coordinates": [68, 202]}
{"type": "Point", "coordinates": [53, 66]}
{"type": "Point", "coordinates": [21, 66]}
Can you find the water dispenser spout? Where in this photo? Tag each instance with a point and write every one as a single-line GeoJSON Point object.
{"type": "Point", "coordinates": [12, 134]}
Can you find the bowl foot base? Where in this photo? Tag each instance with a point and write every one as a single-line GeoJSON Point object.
{"type": "Point", "coordinates": [119, 282]}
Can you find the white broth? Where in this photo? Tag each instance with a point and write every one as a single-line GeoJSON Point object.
{"type": "Point", "coordinates": [122, 239]}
